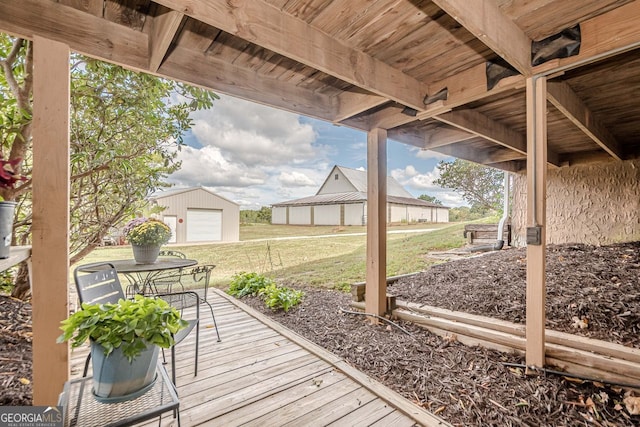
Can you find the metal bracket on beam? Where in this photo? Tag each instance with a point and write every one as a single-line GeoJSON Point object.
{"type": "Point", "coordinates": [498, 70]}
{"type": "Point", "coordinates": [442, 95]}
{"type": "Point", "coordinates": [564, 44]}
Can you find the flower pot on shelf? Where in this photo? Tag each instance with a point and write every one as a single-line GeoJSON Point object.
{"type": "Point", "coordinates": [145, 254]}
{"type": "Point", "coordinates": [116, 379]}
{"type": "Point", "coordinates": [6, 228]}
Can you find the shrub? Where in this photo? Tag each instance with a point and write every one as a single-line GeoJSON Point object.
{"type": "Point", "coordinates": [276, 297]}
{"type": "Point", "coordinates": [243, 284]}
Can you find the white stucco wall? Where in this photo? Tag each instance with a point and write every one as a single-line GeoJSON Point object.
{"type": "Point", "coordinates": [592, 204]}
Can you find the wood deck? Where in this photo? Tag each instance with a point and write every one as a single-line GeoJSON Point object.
{"type": "Point", "coordinates": [262, 374]}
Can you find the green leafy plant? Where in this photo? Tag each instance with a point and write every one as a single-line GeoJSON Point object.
{"type": "Point", "coordinates": [147, 231]}
{"type": "Point", "coordinates": [243, 284]}
{"type": "Point", "coordinates": [130, 324]}
{"type": "Point", "coordinates": [276, 297]}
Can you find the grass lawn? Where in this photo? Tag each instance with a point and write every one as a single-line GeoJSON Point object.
{"type": "Point", "coordinates": [335, 261]}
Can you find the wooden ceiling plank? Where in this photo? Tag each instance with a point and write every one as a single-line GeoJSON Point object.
{"type": "Point", "coordinates": [83, 32]}
{"type": "Point", "coordinates": [265, 25]}
{"type": "Point", "coordinates": [485, 20]}
{"type": "Point", "coordinates": [164, 28]}
{"type": "Point", "coordinates": [94, 7]}
{"type": "Point", "coordinates": [230, 79]}
{"type": "Point", "coordinates": [567, 101]}
{"type": "Point", "coordinates": [603, 36]}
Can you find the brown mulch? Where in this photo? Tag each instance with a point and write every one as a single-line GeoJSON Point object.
{"type": "Point", "coordinates": [470, 385]}
{"type": "Point", "coordinates": [15, 352]}
{"type": "Point", "coordinates": [467, 386]}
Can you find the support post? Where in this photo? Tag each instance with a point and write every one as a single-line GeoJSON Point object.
{"type": "Point", "coordinates": [376, 288]}
{"type": "Point", "coordinates": [536, 219]}
{"type": "Point", "coordinates": [50, 249]}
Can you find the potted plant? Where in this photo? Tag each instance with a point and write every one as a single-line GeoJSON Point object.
{"type": "Point", "coordinates": [146, 236]}
{"type": "Point", "coordinates": [125, 339]}
{"type": "Point", "coordinates": [8, 178]}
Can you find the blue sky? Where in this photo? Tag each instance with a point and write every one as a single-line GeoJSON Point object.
{"type": "Point", "coordinates": [257, 155]}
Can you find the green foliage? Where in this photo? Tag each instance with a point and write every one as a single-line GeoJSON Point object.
{"type": "Point", "coordinates": [130, 324]}
{"type": "Point", "coordinates": [465, 213]}
{"type": "Point", "coordinates": [431, 199]}
{"type": "Point", "coordinates": [262, 216]}
{"type": "Point", "coordinates": [126, 132]}
{"type": "Point", "coordinates": [481, 186]}
{"type": "Point", "coordinates": [276, 297]}
{"type": "Point", "coordinates": [244, 284]}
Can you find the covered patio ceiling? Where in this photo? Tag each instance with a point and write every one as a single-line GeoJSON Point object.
{"type": "Point", "coordinates": [417, 68]}
{"type": "Point", "coordinates": [519, 85]}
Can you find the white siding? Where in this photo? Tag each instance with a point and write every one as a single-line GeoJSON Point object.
{"type": "Point", "coordinates": [442, 215]}
{"type": "Point", "coordinates": [419, 213]}
{"type": "Point", "coordinates": [279, 215]}
{"type": "Point", "coordinates": [398, 213]}
{"type": "Point", "coordinates": [353, 214]}
{"type": "Point", "coordinates": [326, 215]}
{"type": "Point", "coordinates": [339, 185]}
{"type": "Point", "coordinates": [300, 215]}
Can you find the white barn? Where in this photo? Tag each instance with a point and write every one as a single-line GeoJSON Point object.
{"type": "Point", "coordinates": [342, 200]}
{"type": "Point", "coordinates": [196, 214]}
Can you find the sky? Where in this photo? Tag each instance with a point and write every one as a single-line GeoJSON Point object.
{"type": "Point", "coordinates": [257, 155]}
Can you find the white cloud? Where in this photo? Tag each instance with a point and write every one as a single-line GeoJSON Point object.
{"type": "Point", "coordinates": [207, 167]}
{"type": "Point", "coordinates": [423, 183]}
{"type": "Point", "coordinates": [296, 179]}
{"type": "Point", "coordinates": [255, 135]}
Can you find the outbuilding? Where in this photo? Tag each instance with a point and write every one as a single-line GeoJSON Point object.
{"type": "Point", "coordinates": [342, 200]}
{"type": "Point", "coordinates": [196, 214]}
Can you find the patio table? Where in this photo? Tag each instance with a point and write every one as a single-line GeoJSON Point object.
{"type": "Point", "coordinates": [141, 276]}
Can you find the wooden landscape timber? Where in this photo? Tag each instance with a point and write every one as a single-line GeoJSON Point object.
{"type": "Point", "coordinates": [596, 359]}
{"type": "Point", "coordinates": [486, 233]}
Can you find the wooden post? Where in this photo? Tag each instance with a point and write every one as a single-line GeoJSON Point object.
{"type": "Point", "coordinates": [376, 288]}
{"type": "Point", "coordinates": [536, 218]}
{"type": "Point", "coordinates": [50, 250]}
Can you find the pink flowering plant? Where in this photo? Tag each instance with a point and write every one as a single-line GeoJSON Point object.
{"type": "Point", "coordinates": [9, 175]}
{"type": "Point", "coordinates": [147, 231]}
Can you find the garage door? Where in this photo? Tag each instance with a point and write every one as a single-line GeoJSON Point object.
{"type": "Point", "coordinates": [204, 225]}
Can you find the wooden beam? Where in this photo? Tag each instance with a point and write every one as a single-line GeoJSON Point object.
{"type": "Point", "coordinates": [485, 20]}
{"type": "Point", "coordinates": [50, 249]}
{"type": "Point", "coordinates": [353, 103]}
{"type": "Point", "coordinates": [376, 274]}
{"type": "Point", "coordinates": [603, 36]}
{"type": "Point", "coordinates": [481, 125]}
{"type": "Point", "coordinates": [83, 32]}
{"type": "Point", "coordinates": [429, 139]}
{"type": "Point", "coordinates": [465, 87]}
{"type": "Point", "coordinates": [164, 27]}
{"type": "Point", "coordinates": [227, 78]}
{"type": "Point", "coordinates": [536, 217]}
{"type": "Point", "coordinates": [265, 25]}
{"type": "Point", "coordinates": [568, 103]}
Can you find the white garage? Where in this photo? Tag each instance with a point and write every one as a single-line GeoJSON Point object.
{"type": "Point", "coordinates": [198, 215]}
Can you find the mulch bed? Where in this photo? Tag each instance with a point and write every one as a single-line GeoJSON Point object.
{"type": "Point", "coordinates": [15, 352]}
{"type": "Point", "coordinates": [599, 286]}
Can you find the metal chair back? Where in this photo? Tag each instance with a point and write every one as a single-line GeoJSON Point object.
{"type": "Point", "coordinates": [98, 287]}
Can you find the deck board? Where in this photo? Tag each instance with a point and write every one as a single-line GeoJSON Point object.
{"type": "Point", "coordinates": [264, 374]}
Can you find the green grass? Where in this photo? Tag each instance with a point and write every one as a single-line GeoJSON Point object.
{"type": "Point", "coordinates": [321, 261]}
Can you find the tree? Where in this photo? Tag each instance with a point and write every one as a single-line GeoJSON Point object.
{"type": "Point", "coordinates": [481, 186]}
{"type": "Point", "coordinates": [430, 199]}
{"type": "Point", "coordinates": [126, 131]}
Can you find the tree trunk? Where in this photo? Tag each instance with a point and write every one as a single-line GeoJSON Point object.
{"type": "Point", "coordinates": [22, 288]}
